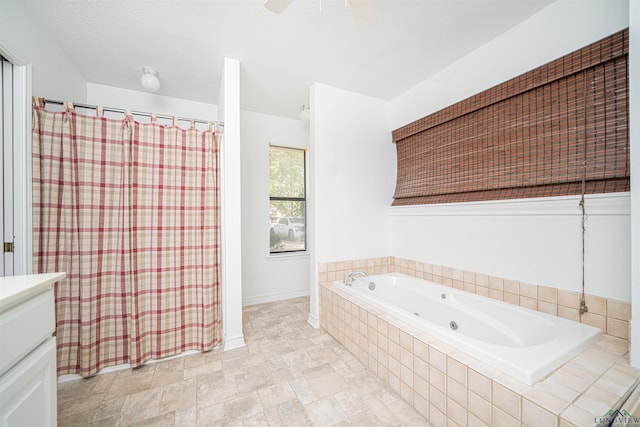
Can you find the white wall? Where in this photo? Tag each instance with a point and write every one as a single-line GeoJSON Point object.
{"type": "Point", "coordinates": [265, 277]}
{"type": "Point", "coordinates": [354, 174]}
{"type": "Point", "coordinates": [54, 76]}
{"type": "Point", "coordinates": [536, 242]}
{"type": "Point", "coordinates": [110, 96]}
{"type": "Point", "coordinates": [352, 179]}
{"type": "Point", "coordinates": [41, 68]}
{"type": "Point", "coordinates": [561, 28]}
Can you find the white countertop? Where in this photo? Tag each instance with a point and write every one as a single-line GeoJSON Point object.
{"type": "Point", "coordinates": [17, 288]}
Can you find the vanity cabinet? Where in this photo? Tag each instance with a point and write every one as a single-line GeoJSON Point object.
{"type": "Point", "coordinates": [28, 350]}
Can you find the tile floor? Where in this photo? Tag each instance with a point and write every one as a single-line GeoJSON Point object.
{"type": "Point", "coordinates": [289, 374]}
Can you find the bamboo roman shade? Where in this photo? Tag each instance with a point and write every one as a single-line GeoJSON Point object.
{"type": "Point", "coordinates": [557, 130]}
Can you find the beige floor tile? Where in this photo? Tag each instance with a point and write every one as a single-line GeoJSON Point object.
{"type": "Point", "coordinates": [382, 412]}
{"type": "Point", "coordinates": [245, 406]}
{"type": "Point", "coordinates": [256, 421]}
{"type": "Point", "coordinates": [318, 371]}
{"type": "Point", "coordinates": [202, 369]}
{"type": "Point", "coordinates": [406, 414]}
{"type": "Point", "coordinates": [157, 421]}
{"type": "Point", "coordinates": [289, 374]}
{"type": "Point", "coordinates": [364, 418]}
{"type": "Point", "coordinates": [273, 417]}
{"type": "Point", "coordinates": [178, 396]}
{"type": "Point", "coordinates": [276, 394]}
{"type": "Point", "coordinates": [282, 375]}
{"type": "Point", "coordinates": [125, 385]}
{"type": "Point", "coordinates": [327, 384]}
{"type": "Point", "coordinates": [299, 360]}
{"type": "Point", "coordinates": [210, 414]}
{"type": "Point", "coordinates": [75, 420]}
{"type": "Point", "coordinates": [106, 422]}
{"type": "Point", "coordinates": [210, 394]}
{"type": "Point", "coordinates": [252, 382]}
{"type": "Point", "coordinates": [294, 413]}
{"type": "Point", "coordinates": [80, 405]}
{"type": "Point", "coordinates": [109, 408]}
{"type": "Point", "coordinates": [167, 377]}
{"type": "Point", "coordinates": [350, 402]}
{"type": "Point", "coordinates": [303, 391]}
{"type": "Point", "coordinates": [326, 412]}
{"type": "Point", "coordinates": [186, 417]}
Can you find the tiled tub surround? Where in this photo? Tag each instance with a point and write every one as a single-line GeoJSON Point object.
{"type": "Point", "coordinates": [612, 316]}
{"type": "Point", "coordinates": [448, 386]}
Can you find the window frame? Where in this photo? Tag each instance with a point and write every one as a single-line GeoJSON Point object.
{"type": "Point", "coordinates": [303, 200]}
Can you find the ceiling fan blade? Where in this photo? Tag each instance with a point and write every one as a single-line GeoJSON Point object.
{"type": "Point", "coordinates": [363, 13]}
{"type": "Point", "coordinates": [277, 6]}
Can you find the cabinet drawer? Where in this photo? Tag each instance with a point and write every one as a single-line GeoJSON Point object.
{"type": "Point", "coordinates": [24, 327]}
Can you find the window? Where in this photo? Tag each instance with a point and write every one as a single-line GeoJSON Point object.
{"type": "Point", "coordinates": [561, 129]}
{"type": "Point", "coordinates": [287, 196]}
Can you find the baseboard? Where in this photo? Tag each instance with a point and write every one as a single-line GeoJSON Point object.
{"type": "Point", "coordinates": [233, 343]}
{"type": "Point", "coordinates": [275, 297]}
{"type": "Point", "coordinates": [313, 321]}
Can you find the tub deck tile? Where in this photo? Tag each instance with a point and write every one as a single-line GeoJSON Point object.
{"type": "Point", "coordinates": [558, 390]}
{"type": "Point", "coordinates": [581, 370]}
{"type": "Point", "coordinates": [546, 400]}
{"type": "Point", "coordinates": [511, 383]}
{"type": "Point", "coordinates": [442, 347]}
{"type": "Point", "coordinates": [578, 416]}
{"type": "Point", "coordinates": [537, 416]}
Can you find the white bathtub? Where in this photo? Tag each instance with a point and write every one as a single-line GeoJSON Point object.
{"type": "Point", "coordinates": [520, 342]}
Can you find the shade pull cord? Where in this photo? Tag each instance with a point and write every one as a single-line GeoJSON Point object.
{"type": "Point", "coordinates": [583, 303]}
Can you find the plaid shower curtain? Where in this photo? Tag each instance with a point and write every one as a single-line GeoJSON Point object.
{"type": "Point", "coordinates": [131, 211]}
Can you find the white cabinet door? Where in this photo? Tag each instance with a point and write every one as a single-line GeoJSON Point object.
{"type": "Point", "coordinates": [28, 390]}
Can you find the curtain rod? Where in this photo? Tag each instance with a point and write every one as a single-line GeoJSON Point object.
{"type": "Point", "coordinates": [137, 113]}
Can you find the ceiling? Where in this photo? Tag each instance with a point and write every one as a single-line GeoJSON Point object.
{"type": "Point", "coordinates": [281, 55]}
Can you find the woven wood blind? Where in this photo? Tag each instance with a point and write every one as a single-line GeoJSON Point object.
{"type": "Point", "coordinates": [539, 134]}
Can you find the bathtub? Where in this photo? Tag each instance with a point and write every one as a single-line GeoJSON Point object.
{"type": "Point", "coordinates": [520, 342]}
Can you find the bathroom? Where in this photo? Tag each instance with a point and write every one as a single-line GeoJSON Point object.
{"type": "Point", "coordinates": [353, 171]}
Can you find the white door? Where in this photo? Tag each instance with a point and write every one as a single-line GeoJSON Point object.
{"type": "Point", "coordinates": [15, 168]}
{"type": "Point", "coordinates": [6, 213]}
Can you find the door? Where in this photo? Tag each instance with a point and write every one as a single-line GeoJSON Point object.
{"type": "Point", "coordinates": [6, 213]}
{"type": "Point", "coordinates": [15, 168]}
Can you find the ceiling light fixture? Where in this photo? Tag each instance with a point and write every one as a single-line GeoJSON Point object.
{"type": "Point", "coordinates": [304, 113]}
{"type": "Point", "coordinates": [149, 79]}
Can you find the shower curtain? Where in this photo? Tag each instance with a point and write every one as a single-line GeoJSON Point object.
{"type": "Point", "coordinates": [131, 212]}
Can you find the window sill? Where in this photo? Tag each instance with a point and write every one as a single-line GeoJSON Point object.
{"type": "Point", "coordinates": [288, 256]}
{"type": "Point", "coordinates": [596, 204]}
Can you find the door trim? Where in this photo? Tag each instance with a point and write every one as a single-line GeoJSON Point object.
{"type": "Point", "coordinates": [22, 160]}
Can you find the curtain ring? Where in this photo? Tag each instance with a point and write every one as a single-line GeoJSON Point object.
{"type": "Point", "coordinates": [99, 111]}
{"type": "Point", "coordinates": [37, 101]}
